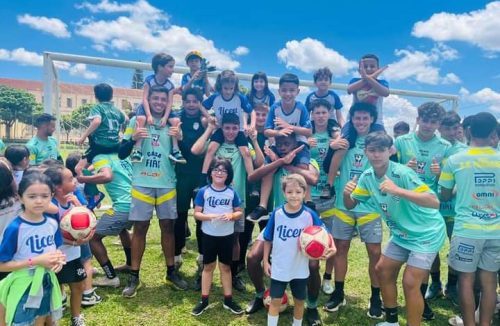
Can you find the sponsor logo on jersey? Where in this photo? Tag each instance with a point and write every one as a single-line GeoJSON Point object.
{"type": "Point", "coordinates": [485, 195]}
{"type": "Point", "coordinates": [485, 179]}
{"type": "Point", "coordinates": [484, 215]}
{"type": "Point", "coordinates": [465, 249]}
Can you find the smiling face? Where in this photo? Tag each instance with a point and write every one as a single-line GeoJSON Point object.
{"type": "Point", "coordinates": [158, 103]}
{"type": "Point", "coordinates": [285, 145]}
{"type": "Point", "coordinates": [369, 64]}
{"type": "Point", "coordinates": [259, 84]}
{"type": "Point", "coordinates": [288, 92]}
{"type": "Point", "coordinates": [230, 131]}
{"type": "Point", "coordinates": [450, 133]}
{"type": "Point", "coordinates": [362, 121]}
{"type": "Point", "coordinates": [294, 194]}
{"type": "Point", "coordinates": [323, 83]}
{"type": "Point", "coordinates": [219, 175]}
{"type": "Point", "coordinates": [427, 127]}
{"type": "Point", "coordinates": [191, 105]}
{"type": "Point", "coordinates": [36, 199]}
{"type": "Point", "coordinates": [261, 116]}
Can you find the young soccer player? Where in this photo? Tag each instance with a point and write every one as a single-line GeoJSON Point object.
{"type": "Point", "coordinates": [105, 124]}
{"type": "Point", "coordinates": [285, 117]}
{"type": "Point", "coordinates": [195, 78]}
{"type": "Point", "coordinates": [475, 244]}
{"type": "Point", "coordinates": [43, 146]}
{"type": "Point", "coordinates": [29, 251]}
{"type": "Point", "coordinates": [410, 210]}
{"type": "Point", "coordinates": [323, 81]}
{"type": "Point", "coordinates": [367, 89]}
{"type": "Point", "coordinates": [289, 265]}
{"type": "Point", "coordinates": [400, 128]}
{"type": "Point", "coordinates": [259, 91]}
{"type": "Point", "coordinates": [19, 158]}
{"type": "Point", "coordinates": [217, 205]}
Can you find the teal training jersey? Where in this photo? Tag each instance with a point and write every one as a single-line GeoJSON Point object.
{"type": "Point", "coordinates": [232, 153]}
{"type": "Point", "coordinates": [41, 150]}
{"type": "Point", "coordinates": [409, 146]}
{"type": "Point", "coordinates": [447, 208]}
{"type": "Point", "coordinates": [475, 172]}
{"type": "Point", "coordinates": [2, 146]}
{"type": "Point", "coordinates": [354, 163]}
{"type": "Point", "coordinates": [120, 187]}
{"type": "Point", "coordinates": [155, 170]}
{"type": "Point", "coordinates": [318, 153]}
{"type": "Point", "coordinates": [412, 227]}
{"type": "Point", "coordinates": [108, 132]}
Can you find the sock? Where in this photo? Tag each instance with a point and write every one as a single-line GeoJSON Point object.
{"type": "Point", "coordinates": [128, 256]}
{"type": "Point", "coordinates": [312, 303]}
{"type": "Point", "coordinates": [108, 269]}
{"type": "Point", "coordinates": [259, 294]}
{"type": "Point", "coordinates": [134, 273]}
{"type": "Point", "coordinates": [234, 268]}
{"type": "Point", "coordinates": [452, 279]}
{"type": "Point", "coordinates": [204, 298]}
{"type": "Point", "coordinates": [339, 287]}
{"type": "Point", "coordinates": [391, 315]}
{"type": "Point", "coordinates": [375, 293]}
{"type": "Point", "coordinates": [297, 322]}
{"type": "Point", "coordinates": [423, 289]}
{"type": "Point", "coordinates": [170, 270]}
{"type": "Point", "coordinates": [272, 320]}
{"type": "Point", "coordinates": [436, 277]}
{"type": "Point", "coordinates": [228, 298]}
{"type": "Point", "coordinates": [327, 276]}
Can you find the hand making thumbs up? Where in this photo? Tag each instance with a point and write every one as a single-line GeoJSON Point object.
{"type": "Point", "coordinates": [351, 185]}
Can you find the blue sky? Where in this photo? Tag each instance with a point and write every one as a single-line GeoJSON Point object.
{"type": "Point", "coordinates": [436, 46]}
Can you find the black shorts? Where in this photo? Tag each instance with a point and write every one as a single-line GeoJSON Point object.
{"type": "Point", "coordinates": [220, 248]}
{"type": "Point", "coordinates": [72, 272]}
{"type": "Point", "coordinates": [297, 285]}
{"type": "Point", "coordinates": [96, 149]}
{"type": "Point", "coordinates": [241, 139]}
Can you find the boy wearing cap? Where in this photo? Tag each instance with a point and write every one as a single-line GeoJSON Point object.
{"type": "Point", "coordinates": [196, 78]}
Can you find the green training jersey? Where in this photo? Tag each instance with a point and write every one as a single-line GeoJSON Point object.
{"type": "Point", "coordinates": [232, 153]}
{"type": "Point", "coordinates": [2, 146]}
{"type": "Point", "coordinates": [108, 132]}
{"type": "Point", "coordinates": [155, 170]}
{"type": "Point", "coordinates": [412, 227]}
{"type": "Point", "coordinates": [409, 146]}
{"type": "Point", "coordinates": [354, 163]}
{"type": "Point", "coordinates": [41, 150]}
{"type": "Point", "coordinates": [318, 153]}
{"type": "Point", "coordinates": [447, 208]}
{"type": "Point", "coordinates": [475, 172]}
{"type": "Point", "coordinates": [120, 187]}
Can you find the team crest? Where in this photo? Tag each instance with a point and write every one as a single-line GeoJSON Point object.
{"type": "Point", "coordinates": [421, 167]}
{"type": "Point", "coordinates": [357, 160]}
{"type": "Point", "coordinates": [155, 140]}
{"type": "Point", "coordinates": [196, 125]}
{"type": "Point", "coordinates": [383, 207]}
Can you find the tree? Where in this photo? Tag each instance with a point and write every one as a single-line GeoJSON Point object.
{"type": "Point", "coordinates": [137, 79]}
{"type": "Point", "coordinates": [79, 116]}
{"type": "Point", "coordinates": [67, 125]}
{"type": "Point", "coordinates": [16, 104]}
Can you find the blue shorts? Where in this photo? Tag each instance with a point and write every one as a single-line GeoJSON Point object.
{"type": "Point", "coordinates": [297, 285]}
{"type": "Point", "coordinates": [27, 316]}
{"type": "Point", "coordinates": [85, 253]}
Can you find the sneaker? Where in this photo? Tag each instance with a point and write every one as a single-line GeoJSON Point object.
{"type": "Point", "coordinates": [90, 299]}
{"type": "Point", "coordinates": [434, 291]}
{"type": "Point", "coordinates": [428, 314]}
{"type": "Point", "coordinates": [385, 323]}
{"type": "Point", "coordinates": [176, 281]}
{"type": "Point", "coordinates": [375, 309]}
{"type": "Point", "coordinates": [176, 156]}
{"type": "Point", "coordinates": [199, 308]}
{"type": "Point", "coordinates": [326, 192]}
{"type": "Point", "coordinates": [258, 214]}
{"type": "Point", "coordinates": [336, 301]}
{"type": "Point", "coordinates": [312, 317]}
{"type": "Point", "coordinates": [327, 287]}
{"type": "Point", "coordinates": [451, 292]}
{"type": "Point", "coordinates": [134, 284]}
{"type": "Point", "coordinates": [233, 307]}
{"type": "Point", "coordinates": [456, 321]}
{"type": "Point", "coordinates": [78, 321]}
{"type": "Point", "coordinates": [255, 305]}
{"type": "Point", "coordinates": [136, 156]}
{"type": "Point", "coordinates": [238, 284]}
{"type": "Point", "coordinates": [104, 281]}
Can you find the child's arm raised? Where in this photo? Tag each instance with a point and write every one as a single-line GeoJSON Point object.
{"type": "Point", "coordinates": [259, 156]}
{"type": "Point", "coordinates": [201, 143]}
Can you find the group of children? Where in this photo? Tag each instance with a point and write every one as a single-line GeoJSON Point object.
{"type": "Point", "coordinates": [282, 165]}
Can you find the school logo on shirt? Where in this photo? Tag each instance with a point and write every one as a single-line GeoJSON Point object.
{"type": "Point", "coordinates": [284, 233]}
{"type": "Point", "coordinates": [37, 244]}
{"type": "Point", "coordinates": [214, 201]}
{"type": "Point", "coordinates": [358, 160]}
{"type": "Point", "coordinates": [421, 167]}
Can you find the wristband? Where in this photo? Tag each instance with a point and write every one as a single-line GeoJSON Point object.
{"type": "Point", "coordinates": [30, 262]}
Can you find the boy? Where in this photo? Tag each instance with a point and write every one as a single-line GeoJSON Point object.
{"type": "Point", "coordinates": [323, 80]}
{"type": "Point", "coordinates": [401, 128]}
{"type": "Point", "coordinates": [364, 217]}
{"type": "Point", "coordinates": [105, 124]}
{"type": "Point", "coordinates": [285, 117]}
{"type": "Point", "coordinates": [19, 158]}
{"type": "Point", "coordinates": [196, 78]}
{"type": "Point", "coordinates": [449, 131]}
{"type": "Point", "coordinates": [475, 244]}
{"type": "Point", "coordinates": [43, 146]}
{"type": "Point", "coordinates": [410, 209]}
{"type": "Point", "coordinates": [367, 89]}
{"type": "Point", "coordinates": [153, 189]}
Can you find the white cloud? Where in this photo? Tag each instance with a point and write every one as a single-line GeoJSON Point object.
{"type": "Point", "coordinates": [28, 58]}
{"type": "Point", "coordinates": [52, 26]}
{"type": "Point", "coordinates": [147, 29]}
{"type": "Point", "coordinates": [422, 66]}
{"type": "Point", "coordinates": [241, 50]}
{"type": "Point", "coordinates": [479, 27]}
{"type": "Point", "coordinates": [485, 98]}
{"type": "Point", "coordinates": [310, 54]}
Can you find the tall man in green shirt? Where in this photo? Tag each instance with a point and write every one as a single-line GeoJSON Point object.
{"type": "Point", "coordinates": [410, 210]}
{"type": "Point", "coordinates": [475, 244]}
{"type": "Point", "coordinates": [43, 146]}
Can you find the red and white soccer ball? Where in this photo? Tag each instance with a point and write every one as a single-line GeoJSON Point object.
{"type": "Point", "coordinates": [77, 223]}
{"type": "Point", "coordinates": [314, 241]}
{"type": "Point", "coordinates": [267, 300]}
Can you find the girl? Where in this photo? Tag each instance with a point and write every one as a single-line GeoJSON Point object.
{"type": "Point", "coordinates": [73, 273]}
{"type": "Point", "coordinates": [259, 91]}
{"type": "Point", "coordinates": [18, 156]}
{"type": "Point", "coordinates": [31, 293]}
{"type": "Point", "coordinates": [217, 207]}
{"type": "Point", "coordinates": [289, 264]}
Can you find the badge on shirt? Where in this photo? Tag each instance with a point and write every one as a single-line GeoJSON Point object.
{"type": "Point", "coordinates": [196, 125]}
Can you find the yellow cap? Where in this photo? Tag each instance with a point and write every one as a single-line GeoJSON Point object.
{"type": "Point", "coordinates": [194, 53]}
